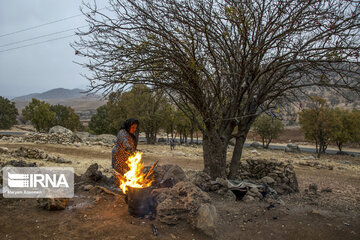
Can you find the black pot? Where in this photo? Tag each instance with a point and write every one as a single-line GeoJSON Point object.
{"type": "Point", "coordinates": [140, 202]}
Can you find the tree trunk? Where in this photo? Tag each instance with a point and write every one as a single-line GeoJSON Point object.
{"type": "Point", "coordinates": [339, 144]}
{"type": "Point", "coordinates": [147, 135]}
{"type": "Point", "coordinates": [235, 160]}
{"type": "Point", "coordinates": [214, 155]}
{"type": "Point", "coordinates": [150, 137]}
{"type": "Point", "coordinates": [243, 130]}
{"type": "Point", "coordinates": [320, 150]}
{"type": "Point", "coordinates": [191, 136]}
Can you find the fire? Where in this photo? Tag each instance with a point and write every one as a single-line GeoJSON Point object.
{"type": "Point", "coordinates": [135, 177]}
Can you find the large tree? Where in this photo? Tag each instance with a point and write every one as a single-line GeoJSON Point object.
{"type": "Point", "coordinates": [229, 60]}
{"type": "Point", "coordinates": [8, 113]}
{"type": "Point", "coordinates": [318, 122]}
{"type": "Point", "coordinates": [40, 115]}
{"type": "Point", "coordinates": [100, 121]}
{"type": "Point", "coordinates": [66, 117]}
{"type": "Point", "coordinates": [141, 102]}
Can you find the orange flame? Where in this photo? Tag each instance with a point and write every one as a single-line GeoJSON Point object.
{"type": "Point", "coordinates": [135, 178]}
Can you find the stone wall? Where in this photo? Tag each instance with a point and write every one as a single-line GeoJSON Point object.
{"type": "Point", "coordinates": [277, 175]}
{"type": "Point", "coordinates": [34, 153]}
{"type": "Point", "coordinates": [63, 138]}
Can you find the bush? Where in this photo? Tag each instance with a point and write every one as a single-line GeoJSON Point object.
{"type": "Point", "coordinates": [8, 113]}
{"type": "Point", "coordinates": [268, 129]}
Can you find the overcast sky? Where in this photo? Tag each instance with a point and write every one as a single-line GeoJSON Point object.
{"type": "Point", "coordinates": [44, 66]}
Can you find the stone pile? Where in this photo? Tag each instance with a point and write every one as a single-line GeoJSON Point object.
{"type": "Point", "coordinates": [12, 139]}
{"type": "Point", "coordinates": [34, 153]}
{"type": "Point", "coordinates": [235, 190]}
{"type": "Point", "coordinates": [64, 138]}
{"type": "Point", "coordinates": [61, 135]}
{"type": "Point", "coordinates": [103, 139]}
{"type": "Point", "coordinates": [52, 138]}
{"type": "Point", "coordinates": [316, 165]}
{"type": "Point", "coordinates": [277, 175]}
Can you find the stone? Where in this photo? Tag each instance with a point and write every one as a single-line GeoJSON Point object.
{"type": "Point", "coordinates": [175, 173]}
{"type": "Point", "coordinates": [77, 144]}
{"type": "Point", "coordinates": [327, 189]}
{"type": "Point", "coordinates": [87, 187]}
{"type": "Point", "coordinates": [255, 152]}
{"type": "Point", "coordinates": [179, 203]}
{"type": "Point", "coordinates": [92, 174]}
{"type": "Point", "coordinates": [230, 196]}
{"type": "Point", "coordinates": [167, 175]}
{"type": "Point", "coordinates": [103, 138]}
{"type": "Point", "coordinates": [60, 129]}
{"type": "Point", "coordinates": [267, 180]}
{"type": "Point", "coordinates": [202, 180]}
{"type": "Point", "coordinates": [82, 135]}
{"type": "Point", "coordinates": [313, 188]}
{"type": "Point", "coordinates": [4, 150]}
{"type": "Point", "coordinates": [248, 198]}
{"type": "Point", "coordinates": [255, 145]}
{"type": "Point", "coordinates": [19, 163]}
{"type": "Point", "coordinates": [52, 203]}
{"type": "Point", "coordinates": [206, 219]}
{"type": "Point", "coordinates": [292, 148]}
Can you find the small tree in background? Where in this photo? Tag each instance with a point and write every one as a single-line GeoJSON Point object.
{"type": "Point", "coordinates": [317, 122]}
{"type": "Point", "coordinates": [268, 129]}
{"type": "Point", "coordinates": [100, 121]}
{"type": "Point", "coordinates": [343, 128]}
{"type": "Point", "coordinates": [143, 103]}
{"type": "Point", "coordinates": [356, 131]}
{"type": "Point", "coordinates": [40, 115]}
{"type": "Point", "coordinates": [116, 110]}
{"type": "Point", "coordinates": [346, 127]}
{"type": "Point", "coordinates": [8, 113]}
{"type": "Point", "coordinates": [66, 117]}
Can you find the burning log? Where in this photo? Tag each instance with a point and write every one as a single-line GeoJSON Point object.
{"type": "Point", "coordinates": [151, 171]}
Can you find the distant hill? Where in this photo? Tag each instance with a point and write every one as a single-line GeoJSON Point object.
{"type": "Point", "coordinates": [85, 106]}
{"type": "Point", "coordinates": [57, 93]}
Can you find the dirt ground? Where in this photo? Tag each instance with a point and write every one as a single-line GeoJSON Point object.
{"type": "Point", "coordinates": [328, 215]}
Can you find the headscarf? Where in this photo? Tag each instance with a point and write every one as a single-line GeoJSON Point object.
{"type": "Point", "coordinates": [127, 125]}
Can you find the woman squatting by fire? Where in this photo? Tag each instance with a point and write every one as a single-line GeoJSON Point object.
{"type": "Point", "coordinates": [125, 146]}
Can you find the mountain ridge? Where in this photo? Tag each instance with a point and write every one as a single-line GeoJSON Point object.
{"type": "Point", "coordinates": [56, 93]}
